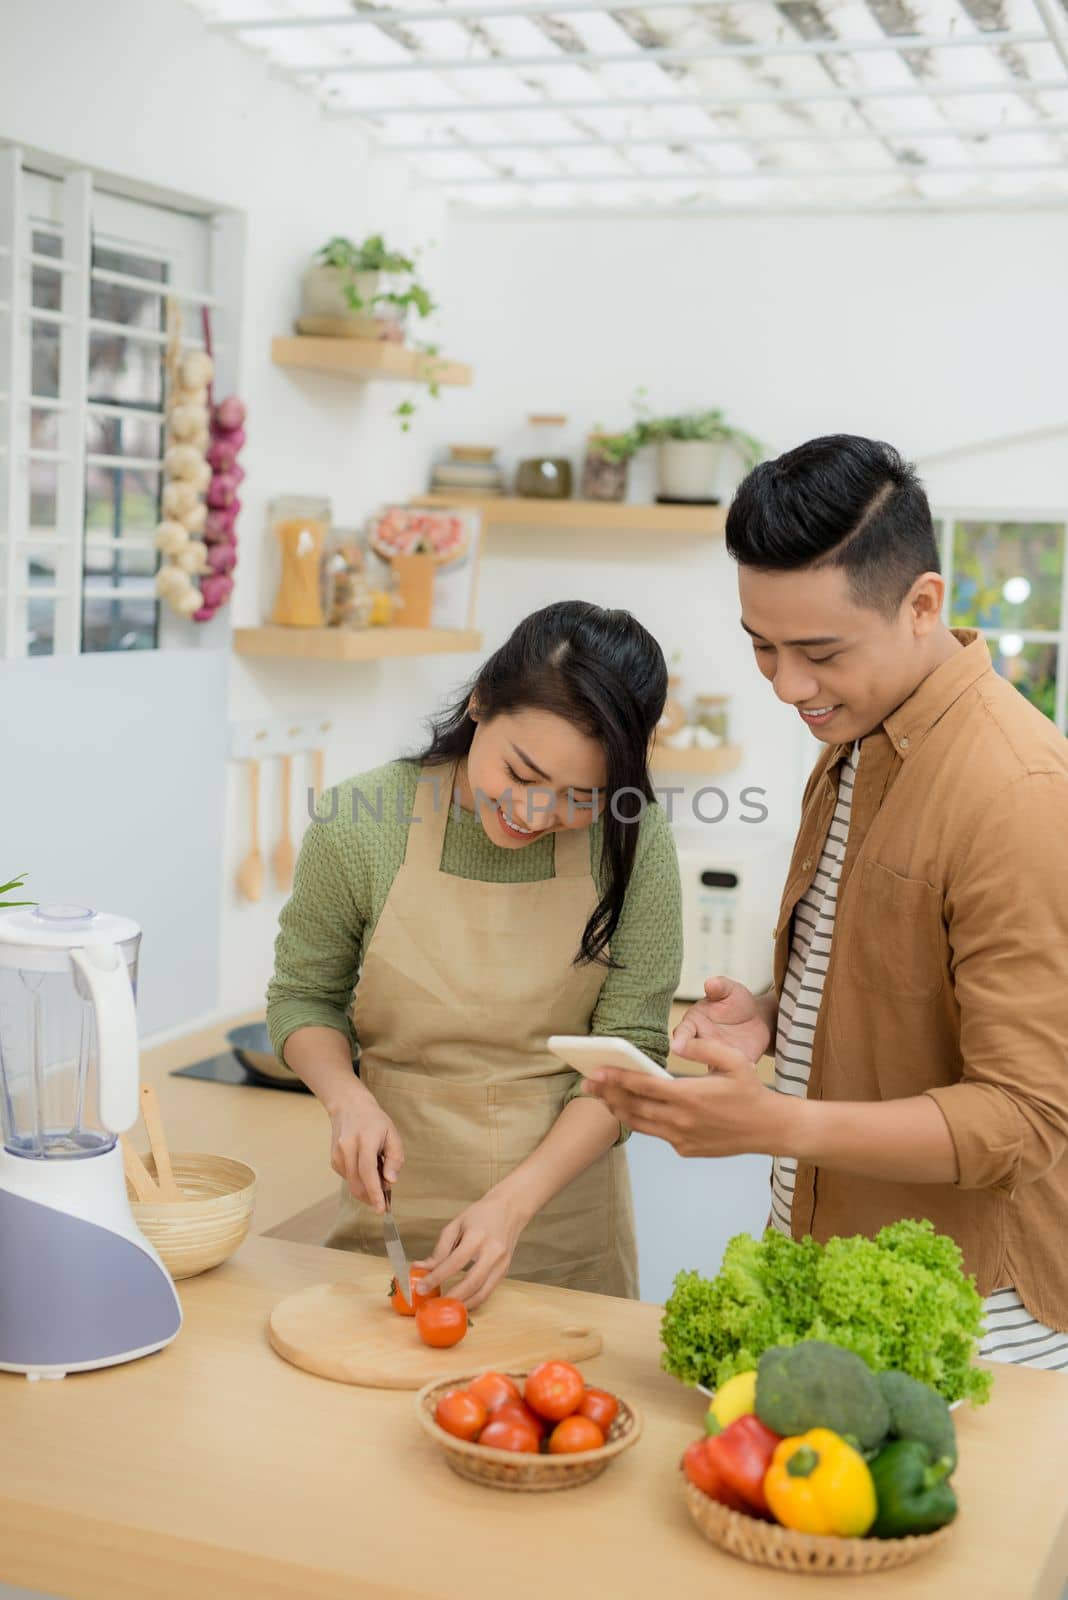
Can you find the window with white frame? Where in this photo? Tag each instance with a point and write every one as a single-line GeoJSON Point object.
{"type": "Point", "coordinates": [85, 276]}
{"type": "Point", "coordinates": [1007, 576]}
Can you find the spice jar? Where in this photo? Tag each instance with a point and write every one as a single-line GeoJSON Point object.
{"type": "Point", "coordinates": [711, 712]}
{"type": "Point", "coordinates": [348, 598]}
{"type": "Point", "coordinates": [604, 473]}
{"type": "Point", "coordinates": [545, 474]}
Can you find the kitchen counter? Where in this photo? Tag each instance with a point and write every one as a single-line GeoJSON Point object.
{"type": "Point", "coordinates": [215, 1469]}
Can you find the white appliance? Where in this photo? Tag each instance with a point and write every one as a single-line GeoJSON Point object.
{"type": "Point", "coordinates": [732, 883]}
{"type": "Point", "coordinates": [80, 1285]}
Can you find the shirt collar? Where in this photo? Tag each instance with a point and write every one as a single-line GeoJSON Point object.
{"type": "Point", "coordinates": [909, 725]}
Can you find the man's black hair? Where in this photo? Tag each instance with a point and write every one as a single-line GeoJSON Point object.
{"type": "Point", "coordinates": [840, 501]}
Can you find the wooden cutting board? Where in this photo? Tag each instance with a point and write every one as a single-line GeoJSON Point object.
{"type": "Point", "coordinates": [350, 1332]}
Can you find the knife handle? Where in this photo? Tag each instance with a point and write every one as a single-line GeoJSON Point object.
{"type": "Point", "coordinates": [387, 1191]}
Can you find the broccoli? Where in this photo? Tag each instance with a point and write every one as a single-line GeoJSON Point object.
{"type": "Point", "coordinates": [918, 1412]}
{"type": "Point", "coordinates": [818, 1385]}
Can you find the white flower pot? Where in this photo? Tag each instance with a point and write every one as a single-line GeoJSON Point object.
{"type": "Point", "coordinates": [322, 294]}
{"type": "Point", "coordinates": [687, 469]}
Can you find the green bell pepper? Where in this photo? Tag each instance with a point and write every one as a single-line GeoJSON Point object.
{"type": "Point", "coordinates": [911, 1489]}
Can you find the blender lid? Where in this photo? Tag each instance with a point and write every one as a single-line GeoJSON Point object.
{"type": "Point", "coordinates": [47, 930]}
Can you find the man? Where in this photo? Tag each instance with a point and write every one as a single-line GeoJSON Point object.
{"type": "Point", "coordinates": [920, 1003]}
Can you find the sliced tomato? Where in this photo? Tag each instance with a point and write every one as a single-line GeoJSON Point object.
{"type": "Point", "coordinates": [397, 1300]}
{"type": "Point", "coordinates": [441, 1323]}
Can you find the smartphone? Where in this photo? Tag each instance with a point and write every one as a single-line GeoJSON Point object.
{"type": "Point", "coordinates": [588, 1051]}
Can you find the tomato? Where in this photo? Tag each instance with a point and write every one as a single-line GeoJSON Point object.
{"type": "Point", "coordinates": [574, 1434]}
{"type": "Point", "coordinates": [554, 1390]}
{"type": "Point", "coordinates": [461, 1413]}
{"type": "Point", "coordinates": [397, 1300]}
{"type": "Point", "coordinates": [600, 1407]}
{"type": "Point", "coordinates": [519, 1411]}
{"type": "Point", "coordinates": [495, 1390]}
{"type": "Point", "coordinates": [701, 1469]}
{"type": "Point", "coordinates": [508, 1435]}
{"type": "Point", "coordinates": [441, 1323]}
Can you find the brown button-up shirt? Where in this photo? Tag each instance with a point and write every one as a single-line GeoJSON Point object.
{"type": "Point", "coordinates": [948, 972]}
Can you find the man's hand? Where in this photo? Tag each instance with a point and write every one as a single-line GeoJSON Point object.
{"type": "Point", "coordinates": [728, 1113]}
{"type": "Point", "coordinates": [730, 1014]}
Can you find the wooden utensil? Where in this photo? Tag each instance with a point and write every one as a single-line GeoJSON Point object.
{"type": "Point", "coordinates": [283, 850]}
{"type": "Point", "coordinates": [318, 762]}
{"type": "Point", "coordinates": [150, 1113]}
{"type": "Point", "coordinates": [349, 1332]}
{"type": "Point", "coordinates": [250, 872]}
{"type": "Point", "coordinates": [137, 1174]}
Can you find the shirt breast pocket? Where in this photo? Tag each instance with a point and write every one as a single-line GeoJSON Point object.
{"type": "Point", "coordinates": [897, 945]}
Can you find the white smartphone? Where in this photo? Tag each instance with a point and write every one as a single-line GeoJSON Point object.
{"type": "Point", "coordinates": [588, 1051]}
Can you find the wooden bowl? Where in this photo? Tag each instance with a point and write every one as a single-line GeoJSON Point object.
{"type": "Point", "coordinates": [208, 1224]}
{"type": "Point", "coordinates": [525, 1474]}
{"type": "Point", "coordinates": [766, 1544]}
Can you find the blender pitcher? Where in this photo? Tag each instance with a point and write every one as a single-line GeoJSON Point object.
{"type": "Point", "coordinates": [80, 1286]}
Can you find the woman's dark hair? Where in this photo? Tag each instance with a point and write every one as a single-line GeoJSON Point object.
{"type": "Point", "coordinates": [840, 501]}
{"type": "Point", "coordinates": [604, 673]}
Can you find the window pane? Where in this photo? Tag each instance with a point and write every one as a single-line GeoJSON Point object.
{"type": "Point", "coordinates": [1031, 667]}
{"type": "Point", "coordinates": [114, 561]}
{"type": "Point", "coordinates": [42, 565]}
{"type": "Point", "coordinates": [122, 499]}
{"type": "Point", "coordinates": [43, 488]}
{"type": "Point", "coordinates": [1008, 575]}
{"type": "Point", "coordinates": [44, 360]}
{"type": "Point", "coordinates": [41, 630]}
{"type": "Point", "coordinates": [124, 436]}
{"type": "Point", "coordinates": [44, 429]}
{"type": "Point", "coordinates": [132, 266]}
{"type": "Point", "coordinates": [126, 624]}
{"type": "Point", "coordinates": [125, 370]}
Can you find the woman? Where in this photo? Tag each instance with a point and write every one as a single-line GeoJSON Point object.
{"type": "Point", "coordinates": [543, 899]}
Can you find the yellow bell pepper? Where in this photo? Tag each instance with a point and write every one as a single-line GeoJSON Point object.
{"type": "Point", "coordinates": [735, 1398]}
{"type": "Point", "coordinates": [817, 1483]}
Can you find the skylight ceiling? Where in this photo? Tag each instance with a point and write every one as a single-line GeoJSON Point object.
{"type": "Point", "coordinates": [752, 105]}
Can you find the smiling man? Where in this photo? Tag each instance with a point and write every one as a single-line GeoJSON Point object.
{"type": "Point", "coordinates": [919, 1012]}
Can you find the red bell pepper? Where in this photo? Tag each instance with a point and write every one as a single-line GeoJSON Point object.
{"type": "Point", "coordinates": [703, 1472]}
{"type": "Point", "coordinates": [741, 1455]}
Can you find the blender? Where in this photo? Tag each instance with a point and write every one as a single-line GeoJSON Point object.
{"type": "Point", "coordinates": [80, 1286]}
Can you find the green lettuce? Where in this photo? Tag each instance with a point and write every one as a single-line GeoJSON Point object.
{"type": "Point", "coordinates": [901, 1301]}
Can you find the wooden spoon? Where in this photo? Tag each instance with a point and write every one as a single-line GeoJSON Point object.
{"type": "Point", "coordinates": [283, 850]}
{"type": "Point", "coordinates": [250, 872]}
{"type": "Point", "coordinates": [150, 1112]}
{"type": "Point", "coordinates": [140, 1179]}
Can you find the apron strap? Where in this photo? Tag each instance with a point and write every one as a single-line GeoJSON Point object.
{"type": "Point", "coordinates": [571, 849]}
{"type": "Point", "coordinates": [430, 816]}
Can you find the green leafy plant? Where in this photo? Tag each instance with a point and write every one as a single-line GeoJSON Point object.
{"type": "Point", "coordinates": [615, 447]}
{"type": "Point", "coordinates": [710, 427]}
{"type": "Point", "coordinates": [374, 255]}
{"type": "Point", "coordinates": [16, 883]}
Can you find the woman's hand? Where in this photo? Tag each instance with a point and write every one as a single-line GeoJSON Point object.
{"type": "Point", "coordinates": [482, 1239]}
{"type": "Point", "coordinates": [731, 1015]}
{"type": "Point", "coordinates": [360, 1132]}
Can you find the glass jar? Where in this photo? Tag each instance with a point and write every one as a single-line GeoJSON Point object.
{"type": "Point", "coordinates": [545, 474]}
{"type": "Point", "coordinates": [299, 524]}
{"type": "Point", "coordinates": [711, 712]}
{"type": "Point", "coordinates": [602, 478]}
{"type": "Point", "coordinates": [348, 597]}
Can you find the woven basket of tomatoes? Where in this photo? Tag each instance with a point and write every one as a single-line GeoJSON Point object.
{"type": "Point", "coordinates": [529, 1432]}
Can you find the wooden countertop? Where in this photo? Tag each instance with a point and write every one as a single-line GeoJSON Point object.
{"type": "Point", "coordinates": [214, 1469]}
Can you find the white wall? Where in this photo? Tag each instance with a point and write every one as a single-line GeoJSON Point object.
{"type": "Point", "coordinates": [148, 94]}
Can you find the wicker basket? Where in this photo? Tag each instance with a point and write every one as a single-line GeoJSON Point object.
{"type": "Point", "coordinates": [208, 1223]}
{"type": "Point", "coordinates": [766, 1544]}
{"type": "Point", "coordinates": [525, 1474]}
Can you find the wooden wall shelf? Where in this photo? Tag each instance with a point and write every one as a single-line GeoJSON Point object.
{"type": "Point", "coordinates": [724, 758]}
{"type": "Point", "coordinates": [341, 644]}
{"type": "Point", "coordinates": [366, 359]}
{"type": "Point", "coordinates": [592, 516]}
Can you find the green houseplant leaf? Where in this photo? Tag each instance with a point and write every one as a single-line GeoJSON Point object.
{"type": "Point", "coordinates": [15, 883]}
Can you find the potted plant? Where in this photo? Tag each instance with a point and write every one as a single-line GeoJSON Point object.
{"type": "Point", "coordinates": [369, 288]}
{"type": "Point", "coordinates": [689, 449]}
{"type": "Point", "coordinates": [604, 470]}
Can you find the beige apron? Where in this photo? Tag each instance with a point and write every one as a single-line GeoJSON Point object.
{"type": "Point", "coordinates": [460, 987]}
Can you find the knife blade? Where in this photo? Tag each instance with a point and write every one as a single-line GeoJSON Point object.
{"type": "Point", "coordinates": [394, 1248]}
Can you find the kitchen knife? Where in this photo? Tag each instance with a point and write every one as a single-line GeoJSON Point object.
{"type": "Point", "coordinates": [394, 1248]}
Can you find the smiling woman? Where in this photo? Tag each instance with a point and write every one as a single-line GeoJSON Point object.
{"type": "Point", "coordinates": [450, 912]}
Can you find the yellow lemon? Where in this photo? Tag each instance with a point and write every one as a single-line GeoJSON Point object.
{"type": "Point", "coordinates": [735, 1398]}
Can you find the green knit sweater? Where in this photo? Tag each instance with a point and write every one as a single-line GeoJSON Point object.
{"type": "Point", "coordinates": [346, 869]}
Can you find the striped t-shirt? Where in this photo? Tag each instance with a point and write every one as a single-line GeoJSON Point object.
{"type": "Point", "coordinates": [1012, 1333]}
